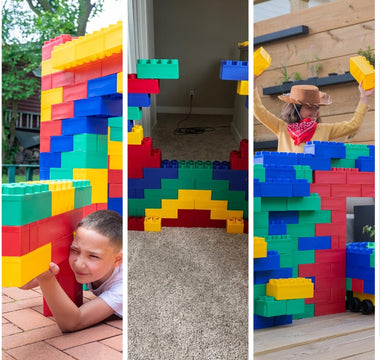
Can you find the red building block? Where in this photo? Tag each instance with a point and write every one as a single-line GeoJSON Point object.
{"type": "Point", "coordinates": [63, 110]}
{"type": "Point", "coordinates": [115, 176]}
{"type": "Point", "coordinates": [46, 82]}
{"type": "Point", "coordinates": [334, 203]}
{"type": "Point", "coordinates": [335, 176]}
{"type": "Point", "coordinates": [44, 143]}
{"type": "Point", "coordinates": [323, 190]}
{"type": "Point", "coordinates": [62, 78]}
{"type": "Point", "coordinates": [330, 308]}
{"type": "Point", "coordinates": [112, 64]}
{"type": "Point", "coordinates": [75, 92]}
{"type": "Point", "coordinates": [15, 240]}
{"type": "Point", "coordinates": [88, 72]}
{"type": "Point", "coordinates": [368, 191]}
{"type": "Point", "coordinates": [136, 223]}
{"type": "Point", "coordinates": [115, 190]}
{"type": "Point", "coordinates": [48, 46]}
{"type": "Point", "coordinates": [348, 190]}
{"type": "Point", "coordinates": [329, 229]}
{"type": "Point", "coordinates": [142, 86]}
{"type": "Point", "coordinates": [51, 128]}
{"type": "Point", "coordinates": [361, 177]}
{"type": "Point", "coordinates": [357, 285]}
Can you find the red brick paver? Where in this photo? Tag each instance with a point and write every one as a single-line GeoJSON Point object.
{"type": "Point", "coordinates": [27, 334]}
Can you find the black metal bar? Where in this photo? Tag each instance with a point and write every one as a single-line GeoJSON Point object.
{"type": "Point", "coordinates": [281, 35]}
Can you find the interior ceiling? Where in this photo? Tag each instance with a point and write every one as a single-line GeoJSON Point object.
{"type": "Point", "coordinates": [268, 9]}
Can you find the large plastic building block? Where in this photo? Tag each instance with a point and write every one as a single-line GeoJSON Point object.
{"type": "Point", "coordinates": [119, 83]}
{"type": "Point", "coordinates": [142, 86]}
{"type": "Point", "coordinates": [87, 124]}
{"type": "Point", "coordinates": [134, 113]}
{"type": "Point", "coordinates": [233, 70]}
{"type": "Point", "coordinates": [283, 289]}
{"type": "Point", "coordinates": [50, 97]}
{"type": "Point", "coordinates": [49, 45]}
{"type": "Point", "coordinates": [157, 69]}
{"type": "Point", "coordinates": [106, 85]}
{"type": "Point", "coordinates": [62, 111]}
{"type": "Point", "coordinates": [362, 70]}
{"type": "Point", "coordinates": [17, 271]}
{"type": "Point", "coordinates": [62, 78]}
{"type": "Point", "coordinates": [152, 224]}
{"type": "Point", "coordinates": [74, 92]}
{"type": "Point", "coordinates": [89, 48]}
{"type": "Point", "coordinates": [261, 61]}
{"type": "Point", "coordinates": [138, 100]}
{"type": "Point", "coordinates": [98, 180]}
{"type": "Point", "coordinates": [242, 87]}
{"type": "Point", "coordinates": [98, 106]}
{"type": "Point", "coordinates": [235, 226]}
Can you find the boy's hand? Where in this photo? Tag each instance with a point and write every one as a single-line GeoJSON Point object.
{"type": "Point", "coordinates": [53, 271]}
{"type": "Point", "coordinates": [365, 94]}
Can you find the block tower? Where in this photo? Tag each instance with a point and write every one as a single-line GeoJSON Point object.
{"type": "Point", "coordinates": [81, 113]}
{"type": "Point", "coordinates": [300, 211]}
{"type": "Point", "coordinates": [176, 192]}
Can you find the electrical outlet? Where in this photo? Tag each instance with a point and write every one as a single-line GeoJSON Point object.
{"type": "Point", "coordinates": [192, 93]}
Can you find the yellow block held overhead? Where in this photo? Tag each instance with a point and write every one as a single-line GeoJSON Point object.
{"type": "Point", "coordinates": [259, 247]}
{"type": "Point", "coordinates": [292, 288]}
{"type": "Point", "coordinates": [362, 70]}
{"type": "Point", "coordinates": [261, 61]}
{"type": "Point", "coordinates": [19, 270]}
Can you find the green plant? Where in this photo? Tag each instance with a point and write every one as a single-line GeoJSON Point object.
{"type": "Point", "coordinates": [369, 54]}
{"type": "Point", "coordinates": [297, 76]}
{"type": "Point", "coordinates": [370, 230]}
{"type": "Point", "coordinates": [284, 72]}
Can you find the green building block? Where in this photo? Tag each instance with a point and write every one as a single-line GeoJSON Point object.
{"type": "Point", "coordinates": [304, 257]}
{"type": "Point", "coordinates": [259, 290]}
{"type": "Point", "coordinates": [157, 69]}
{"type": "Point", "coordinates": [134, 113]}
{"type": "Point", "coordinates": [24, 203]}
{"type": "Point", "coordinates": [267, 306]}
{"type": "Point", "coordinates": [158, 194]}
{"type": "Point", "coordinates": [84, 159]}
{"type": "Point", "coordinates": [300, 230]}
{"type": "Point", "coordinates": [304, 172]}
{"type": "Point", "coordinates": [187, 184]}
{"type": "Point", "coordinates": [116, 134]}
{"type": "Point", "coordinates": [353, 151]}
{"type": "Point", "coordinates": [83, 192]}
{"type": "Point", "coordinates": [61, 173]}
{"type": "Point", "coordinates": [312, 202]}
{"type": "Point", "coordinates": [295, 306]}
{"type": "Point", "coordinates": [314, 217]}
{"type": "Point", "coordinates": [90, 143]}
{"type": "Point", "coordinates": [274, 204]}
{"type": "Point", "coordinates": [372, 260]}
{"type": "Point", "coordinates": [348, 284]}
{"type": "Point", "coordinates": [218, 187]}
{"type": "Point", "coordinates": [261, 219]}
{"type": "Point", "coordinates": [259, 172]}
{"type": "Point", "coordinates": [343, 163]}
{"type": "Point", "coordinates": [309, 312]}
{"type": "Point", "coordinates": [256, 204]}
{"type": "Point", "coordinates": [116, 122]}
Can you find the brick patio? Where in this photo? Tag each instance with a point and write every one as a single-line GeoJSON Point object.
{"type": "Point", "coordinates": [27, 334]}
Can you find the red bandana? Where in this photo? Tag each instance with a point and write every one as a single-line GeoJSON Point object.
{"type": "Point", "coordinates": [302, 131]}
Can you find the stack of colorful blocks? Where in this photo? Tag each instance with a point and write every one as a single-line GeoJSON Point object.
{"type": "Point", "coordinates": [81, 106]}
{"type": "Point", "coordinates": [178, 193]}
{"type": "Point", "coordinates": [300, 210]}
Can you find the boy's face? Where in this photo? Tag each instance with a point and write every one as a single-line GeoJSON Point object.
{"type": "Point", "coordinates": [92, 257]}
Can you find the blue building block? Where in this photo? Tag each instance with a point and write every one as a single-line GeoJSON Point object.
{"type": "Point", "coordinates": [61, 143]}
{"type": "Point", "coordinates": [315, 162]}
{"type": "Point", "coordinates": [130, 125]}
{"type": "Point", "coordinates": [116, 204]}
{"type": "Point", "coordinates": [261, 322]}
{"type": "Point", "coordinates": [288, 217]}
{"type": "Point", "coordinates": [88, 125]}
{"type": "Point", "coordinates": [277, 227]}
{"type": "Point", "coordinates": [234, 70]}
{"type": "Point", "coordinates": [365, 163]}
{"type": "Point", "coordinates": [275, 158]}
{"type": "Point", "coordinates": [271, 262]}
{"type": "Point", "coordinates": [276, 188]}
{"type": "Point", "coordinates": [160, 173]}
{"type": "Point", "coordinates": [106, 85]}
{"type": "Point", "coordinates": [262, 277]}
{"type": "Point", "coordinates": [314, 243]}
{"type": "Point", "coordinates": [371, 150]}
{"type": "Point", "coordinates": [139, 100]}
{"type": "Point", "coordinates": [326, 149]}
{"type": "Point", "coordinates": [279, 171]}
{"type": "Point", "coordinates": [99, 106]}
{"type": "Point", "coordinates": [50, 159]}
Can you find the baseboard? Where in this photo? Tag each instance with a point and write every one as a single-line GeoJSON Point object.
{"type": "Point", "coordinates": [235, 133]}
{"type": "Point", "coordinates": [194, 110]}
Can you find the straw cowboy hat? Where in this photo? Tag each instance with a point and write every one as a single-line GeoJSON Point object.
{"type": "Point", "coordinates": [306, 95]}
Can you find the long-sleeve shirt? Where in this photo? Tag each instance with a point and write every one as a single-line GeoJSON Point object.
{"type": "Point", "coordinates": [323, 132]}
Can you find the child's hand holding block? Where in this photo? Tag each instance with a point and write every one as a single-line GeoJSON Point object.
{"type": "Point", "coordinates": [362, 70]}
{"type": "Point", "coordinates": [261, 61]}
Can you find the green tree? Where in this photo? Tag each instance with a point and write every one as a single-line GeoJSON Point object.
{"type": "Point", "coordinates": [26, 25]}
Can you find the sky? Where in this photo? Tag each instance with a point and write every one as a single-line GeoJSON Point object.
{"type": "Point", "coordinates": [113, 11]}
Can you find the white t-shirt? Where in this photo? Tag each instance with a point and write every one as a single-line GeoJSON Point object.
{"type": "Point", "coordinates": [111, 291]}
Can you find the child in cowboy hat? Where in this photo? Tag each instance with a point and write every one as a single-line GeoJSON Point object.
{"type": "Point", "coordinates": [300, 121]}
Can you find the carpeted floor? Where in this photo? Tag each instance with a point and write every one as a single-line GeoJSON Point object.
{"type": "Point", "coordinates": [187, 294]}
{"type": "Point", "coordinates": [188, 287]}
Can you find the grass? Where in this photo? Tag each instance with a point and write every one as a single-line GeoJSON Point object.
{"type": "Point", "coordinates": [19, 178]}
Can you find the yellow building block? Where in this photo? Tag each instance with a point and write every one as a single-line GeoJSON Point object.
{"type": "Point", "coordinates": [136, 135]}
{"type": "Point", "coordinates": [45, 114]}
{"type": "Point", "coordinates": [237, 214]}
{"type": "Point", "coordinates": [292, 288]}
{"type": "Point", "coordinates": [115, 162]}
{"type": "Point", "coordinates": [19, 270]}
{"type": "Point", "coordinates": [242, 87]}
{"type": "Point", "coordinates": [115, 147]}
{"type": "Point", "coordinates": [46, 68]}
{"type": "Point", "coordinates": [88, 48]}
{"type": "Point", "coordinates": [184, 194]}
{"type": "Point", "coordinates": [167, 213]}
{"type": "Point", "coordinates": [260, 247]}
{"type": "Point", "coordinates": [235, 226]}
{"type": "Point", "coordinates": [218, 214]}
{"type": "Point", "coordinates": [51, 97]}
{"type": "Point", "coordinates": [99, 181]}
{"type": "Point", "coordinates": [119, 83]}
{"type": "Point", "coordinates": [362, 70]}
{"type": "Point", "coordinates": [152, 224]}
{"type": "Point", "coordinates": [261, 61]}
